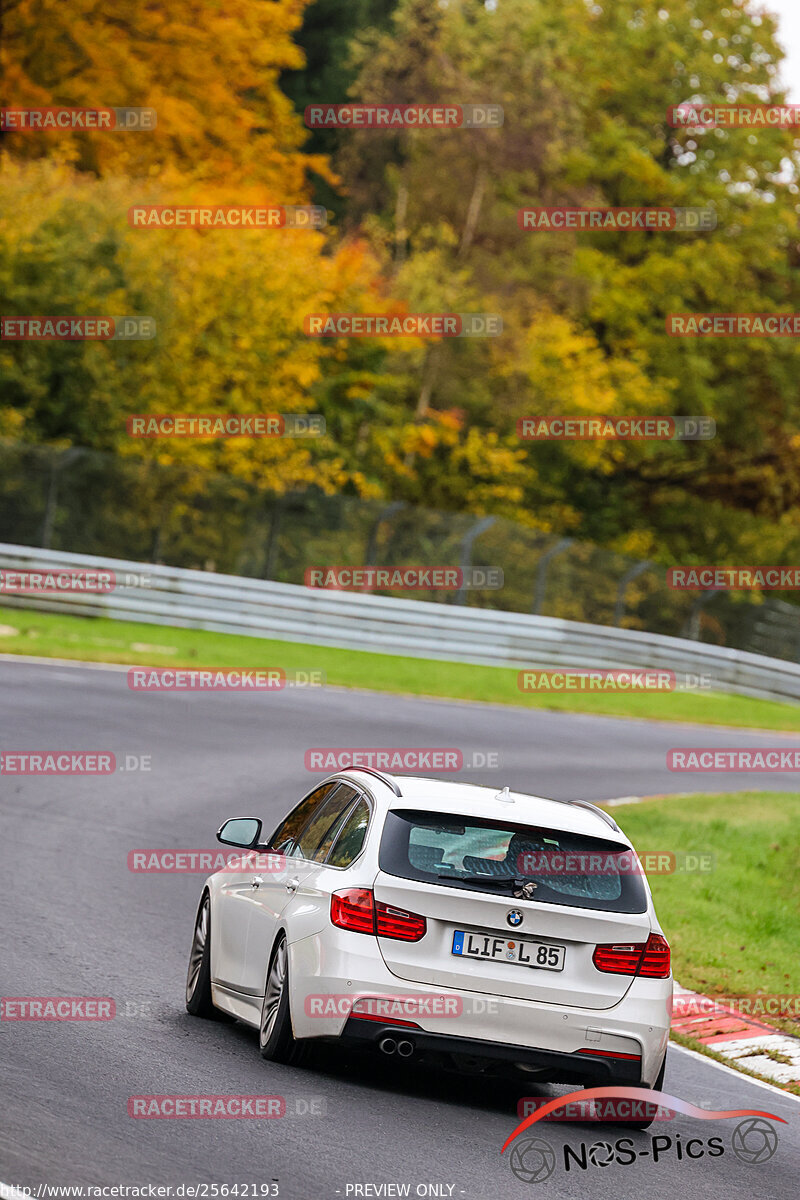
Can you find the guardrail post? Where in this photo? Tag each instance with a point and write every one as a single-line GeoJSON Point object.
{"type": "Point", "coordinates": [628, 577]}
{"type": "Point", "coordinates": [693, 620]}
{"type": "Point", "coordinates": [57, 466]}
{"type": "Point", "coordinates": [542, 569]}
{"type": "Point", "coordinates": [466, 554]}
{"type": "Point", "coordinates": [272, 540]}
{"type": "Point", "coordinates": [371, 552]}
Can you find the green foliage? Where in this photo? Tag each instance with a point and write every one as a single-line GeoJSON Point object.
{"type": "Point", "coordinates": [424, 220]}
{"type": "Point", "coordinates": [585, 94]}
{"type": "Point", "coordinates": [733, 930]}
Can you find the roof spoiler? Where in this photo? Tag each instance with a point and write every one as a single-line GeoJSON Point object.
{"type": "Point", "coordinates": [599, 812]}
{"type": "Point", "coordinates": [387, 779]}
{"type": "Point", "coordinates": [609, 820]}
{"type": "Point", "coordinates": [504, 797]}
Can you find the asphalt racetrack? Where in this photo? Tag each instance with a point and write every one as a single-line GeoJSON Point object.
{"type": "Point", "coordinates": [74, 921]}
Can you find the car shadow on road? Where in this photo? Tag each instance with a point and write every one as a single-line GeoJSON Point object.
{"type": "Point", "coordinates": [424, 1080]}
{"type": "Point", "coordinates": [412, 1078]}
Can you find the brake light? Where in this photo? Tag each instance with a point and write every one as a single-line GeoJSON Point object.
{"type": "Point", "coordinates": [397, 923]}
{"type": "Point", "coordinates": [618, 960]}
{"type": "Point", "coordinates": [356, 909]}
{"type": "Point", "coordinates": [353, 909]}
{"type": "Point", "coordinates": [656, 959]}
{"type": "Point", "coordinates": [649, 960]}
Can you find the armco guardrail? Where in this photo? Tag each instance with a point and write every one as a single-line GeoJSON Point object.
{"type": "Point", "coordinates": [260, 608]}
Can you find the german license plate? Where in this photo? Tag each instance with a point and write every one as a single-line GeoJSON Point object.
{"type": "Point", "coordinates": [521, 951]}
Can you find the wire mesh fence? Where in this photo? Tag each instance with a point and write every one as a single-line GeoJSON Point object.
{"type": "Point", "coordinates": [92, 503]}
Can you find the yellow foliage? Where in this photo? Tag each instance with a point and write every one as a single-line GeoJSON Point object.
{"type": "Point", "coordinates": [210, 74]}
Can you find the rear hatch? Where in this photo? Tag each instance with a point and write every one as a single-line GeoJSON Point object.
{"type": "Point", "coordinates": [467, 877]}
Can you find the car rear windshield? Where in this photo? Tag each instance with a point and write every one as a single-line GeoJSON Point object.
{"type": "Point", "coordinates": [547, 866]}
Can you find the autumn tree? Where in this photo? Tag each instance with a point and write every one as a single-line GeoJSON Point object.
{"type": "Point", "coordinates": [585, 92]}
{"type": "Point", "coordinates": [210, 69]}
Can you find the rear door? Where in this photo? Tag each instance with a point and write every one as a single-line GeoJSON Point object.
{"type": "Point", "coordinates": [252, 898]}
{"type": "Point", "coordinates": [531, 949]}
{"type": "Point", "coordinates": [305, 838]}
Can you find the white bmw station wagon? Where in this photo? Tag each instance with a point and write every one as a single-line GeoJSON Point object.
{"type": "Point", "coordinates": [451, 923]}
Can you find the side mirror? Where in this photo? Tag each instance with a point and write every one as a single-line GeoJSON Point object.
{"type": "Point", "coordinates": [240, 831]}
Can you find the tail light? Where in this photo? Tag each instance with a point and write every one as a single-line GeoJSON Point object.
{"type": "Point", "coordinates": [397, 923]}
{"type": "Point", "coordinates": [656, 958]}
{"type": "Point", "coordinates": [357, 910]}
{"type": "Point", "coordinates": [618, 960]}
{"type": "Point", "coordinates": [649, 960]}
{"type": "Point", "coordinates": [353, 909]}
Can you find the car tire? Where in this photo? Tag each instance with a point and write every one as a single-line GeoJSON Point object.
{"type": "Point", "coordinates": [198, 975]}
{"type": "Point", "coordinates": [276, 1041]}
{"type": "Point", "coordinates": [646, 1122]}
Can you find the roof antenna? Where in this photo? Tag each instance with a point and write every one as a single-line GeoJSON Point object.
{"type": "Point", "coordinates": [504, 797]}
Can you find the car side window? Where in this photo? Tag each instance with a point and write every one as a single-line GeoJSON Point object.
{"type": "Point", "coordinates": [351, 837]}
{"type": "Point", "coordinates": [324, 847]}
{"type": "Point", "coordinates": [325, 821]}
{"type": "Point", "coordinates": [285, 836]}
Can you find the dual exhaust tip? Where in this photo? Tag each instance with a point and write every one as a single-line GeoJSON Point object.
{"type": "Point", "coordinates": [389, 1045]}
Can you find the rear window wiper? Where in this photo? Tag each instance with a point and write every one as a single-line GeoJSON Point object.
{"type": "Point", "coordinates": [493, 880]}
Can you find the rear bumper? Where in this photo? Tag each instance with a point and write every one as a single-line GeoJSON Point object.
{"type": "Point", "coordinates": [329, 974]}
{"type": "Point", "coordinates": [551, 1064]}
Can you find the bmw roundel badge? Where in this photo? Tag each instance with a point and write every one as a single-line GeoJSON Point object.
{"type": "Point", "coordinates": [514, 917]}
